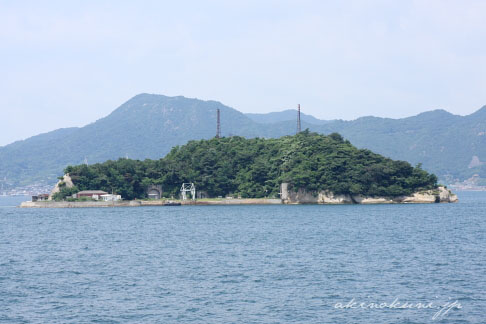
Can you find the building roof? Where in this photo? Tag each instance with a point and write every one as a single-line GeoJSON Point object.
{"type": "Point", "coordinates": [92, 192]}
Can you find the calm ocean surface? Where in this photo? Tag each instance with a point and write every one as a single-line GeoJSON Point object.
{"type": "Point", "coordinates": [243, 264]}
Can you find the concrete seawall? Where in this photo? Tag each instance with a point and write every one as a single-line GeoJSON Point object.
{"type": "Point", "coordinates": [79, 204]}
{"type": "Point", "coordinates": [253, 201]}
{"type": "Point", "coordinates": [142, 203]}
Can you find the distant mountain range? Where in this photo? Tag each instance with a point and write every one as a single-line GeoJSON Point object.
{"type": "Point", "coordinates": [148, 126]}
{"type": "Point", "coordinates": [286, 115]}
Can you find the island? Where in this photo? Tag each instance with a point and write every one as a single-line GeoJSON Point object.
{"type": "Point", "coordinates": [306, 168]}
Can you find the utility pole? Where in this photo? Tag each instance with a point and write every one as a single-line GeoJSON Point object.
{"type": "Point", "coordinates": [218, 125]}
{"type": "Point", "coordinates": [298, 119]}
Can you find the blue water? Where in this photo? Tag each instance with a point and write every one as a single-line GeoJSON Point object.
{"type": "Point", "coordinates": [243, 264]}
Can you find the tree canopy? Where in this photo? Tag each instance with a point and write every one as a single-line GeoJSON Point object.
{"type": "Point", "coordinates": [256, 167]}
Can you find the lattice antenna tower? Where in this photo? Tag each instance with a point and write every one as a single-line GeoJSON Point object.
{"type": "Point", "coordinates": [218, 124]}
{"type": "Point", "coordinates": [299, 127]}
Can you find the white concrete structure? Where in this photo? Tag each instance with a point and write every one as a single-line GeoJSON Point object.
{"type": "Point", "coordinates": [109, 197]}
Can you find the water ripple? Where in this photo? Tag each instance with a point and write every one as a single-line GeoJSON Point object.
{"type": "Point", "coordinates": [248, 264]}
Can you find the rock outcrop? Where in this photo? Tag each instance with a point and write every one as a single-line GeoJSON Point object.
{"type": "Point", "coordinates": [327, 197]}
{"type": "Point", "coordinates": [66, 181]}
{"type": "Point", "coordinates": [302, 196]}
{"type": "Point", "coordinates": [446, 195]}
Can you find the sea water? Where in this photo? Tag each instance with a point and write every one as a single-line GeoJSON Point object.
{"type": "Point", "coordinates": [245, 264]}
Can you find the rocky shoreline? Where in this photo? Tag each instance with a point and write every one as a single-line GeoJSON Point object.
{"type": "Point", "coordinates": [440, 195]}
{"type": "Point", "coordinates": [302, 196]}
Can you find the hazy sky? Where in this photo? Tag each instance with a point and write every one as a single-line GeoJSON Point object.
{"type": "Point", "coordinates": [68, 63]}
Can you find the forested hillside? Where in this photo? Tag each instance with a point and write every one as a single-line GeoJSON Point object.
{"type": "Point", "coordinates": [256, 167]}
{"type": "Point", "coordinates": [148, 126]}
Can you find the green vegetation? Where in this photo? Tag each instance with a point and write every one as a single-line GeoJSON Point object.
{"type": "Point", "coordinates": [255, 168]}
{"type": "Point", "coordinates": [148, 126]}
{"type": "Point", "coordinates": [64, 191]}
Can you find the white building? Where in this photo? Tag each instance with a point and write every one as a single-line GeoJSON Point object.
{"type": "Point", "coordinates": [109, 197]}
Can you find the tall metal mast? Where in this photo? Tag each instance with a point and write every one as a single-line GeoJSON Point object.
{"type": "Point", "coordinates": [298, 119]}
{"type": "Point", "coordinates": [218, 126]}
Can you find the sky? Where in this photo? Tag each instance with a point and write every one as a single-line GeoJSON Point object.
{"type": "Point", "coordinates": [69, 63]}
